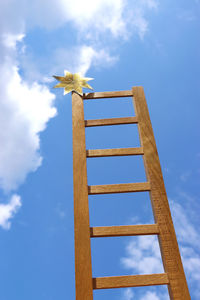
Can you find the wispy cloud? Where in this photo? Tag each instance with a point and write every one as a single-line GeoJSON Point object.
{"type": "Point", "coordinates": [7, 211]}
{"type": "Point", "coordinates": [81, 59]}
{"type": "Point", "coordinates": [128, 294]}
{"type": "Point", "coordinates": [146, 295]}
{"type": "Point", "coordinates": [89, 17]}
{"type": "Point", "coordinates": [188, 238]}
{"type": "Point", "coordinates": [60, 211]}
{"type": "Point", "coordinates": [187, 233]}
{"type": "Point", "coordinates": [142, 255]}
{"type": "Point", "coordinates": [150, 296]}
{"type": "Point", "coordinates": [185, 176]}
{"type": "Point", "coordinates": [188, 15]}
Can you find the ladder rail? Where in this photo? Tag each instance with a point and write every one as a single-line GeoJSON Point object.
{"type": "Point", "coordinates": [178, 288]}
{"type": "Point", "coordinates": [84, 287]}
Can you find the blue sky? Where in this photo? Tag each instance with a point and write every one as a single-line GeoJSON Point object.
{"type": "Point", "coordinates": [121, 44]}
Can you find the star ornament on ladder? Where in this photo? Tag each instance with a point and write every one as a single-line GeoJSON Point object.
{"type": "Point", "coordinates": [72, 82]}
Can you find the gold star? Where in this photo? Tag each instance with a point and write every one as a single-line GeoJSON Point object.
{"type": "Point", "coordinates": [72, 82]}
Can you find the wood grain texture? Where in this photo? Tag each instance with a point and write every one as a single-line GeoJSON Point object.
{"type": "Point", "coordinates": [130, 230]}
{"type": "Point", "coordinates": [178, 289]}
{"type": "Point", "coordinates": [119, 188]}
{"type": "Point", "coordinates": [83, 268]}
{"type": "Point", "coordinates": [129, 281]}
{"type": "Point", "coordinates": [99, 95]}
{"type": "Point", "coordinates": [112, 121]}
{"type": "Point", "coordinates": [114, 152]}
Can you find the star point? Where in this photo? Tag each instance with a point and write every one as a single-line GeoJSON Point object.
{"type": "Point", "coordinates": [72, 82]}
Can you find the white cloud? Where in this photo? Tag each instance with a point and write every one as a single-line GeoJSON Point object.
{"type": "Point", "coordinates": [7, 211]}
{"type": "Point", "coordinates": [187, 15]}
{"type": "Point", "coordinates": [143, 255]}
{"type": "Point", "coordinates": [155, 295]}
{"type": "Point", "coordinates": [114, 16]}
{"type": "Point", "coordinates": [128, 294]}
{"type": "Point", "coordinates": [92, 18]}
{"type": "Point", "coordinates": [118, 17]}
{"type": "Point", "coordinates": [138, 15]}
{"type": "Point", "coordinates": [188, 238]}
{"type": "Point", "coordinates": [10, 40]}
{"type": "Point", "coordinates": [89, 56]}
{"type": "Point", "coordinates": [150, 296]}
{"type": "Point", "coordinates": [191, 261]}
{"type": "Point", "coordinates": [25, 108]}
{"type": "Point", "coordinates": [185, 176]}
{"type": "Point", "coordinates": [187, 234]}
{"type": "Point", "coordinates": [80, 59]}
{"type": "Point", "coordinates": [24, 112]}
{"type": "Point", "coordinates": [60, 211]}
{"type": "Point", "coordinates": [97, 23]}
{"type": "Point", "coordinates": [98, 16]}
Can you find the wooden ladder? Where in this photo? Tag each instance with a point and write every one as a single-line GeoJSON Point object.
{"type": "Point", "coordinates": [174, 276]}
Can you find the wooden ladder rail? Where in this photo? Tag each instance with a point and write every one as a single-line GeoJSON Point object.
{"type": "Point", "coordinates": [174, 275]}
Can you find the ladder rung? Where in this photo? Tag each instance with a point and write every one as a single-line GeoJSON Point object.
{"type": "Point", "coordinates": [100, 95]}
{"type": "Point", "coordinates": [119, 188]}
{"type": "Point", "coordinates": [112, 121]}
{"type": "Point", "coordinates": [129, 230]}
{"type": "Point", "coordinates": [129, 281]}
{"type": "Point", "coordinates": [114, 152]}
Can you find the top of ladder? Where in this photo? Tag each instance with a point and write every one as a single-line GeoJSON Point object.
{"type": "Point", "coordinates": [99, 95]}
